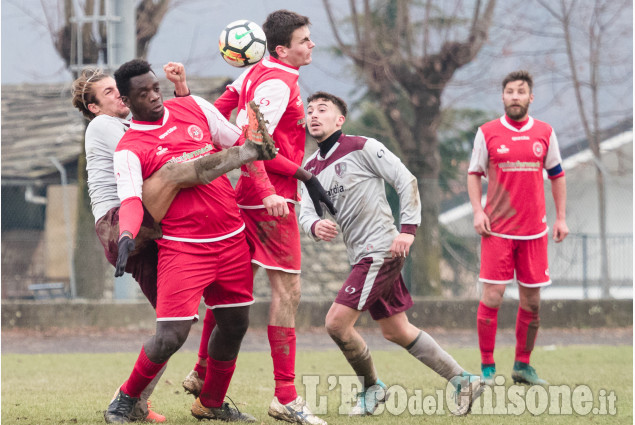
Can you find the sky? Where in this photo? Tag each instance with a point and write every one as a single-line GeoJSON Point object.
{"type": "Point", "coordinates": [189, 34]}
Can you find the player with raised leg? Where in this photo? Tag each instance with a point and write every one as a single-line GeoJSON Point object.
{"type": "Point", "coordinates": [512, 152]}
{"type": "Point", "coordinates": [269, 208]}
{"type": "Point", "coordinates": [355, 169]}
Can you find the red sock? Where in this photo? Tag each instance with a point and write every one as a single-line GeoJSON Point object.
{"type": "Point", "coordinates": [143, 372]}
{"type": "Point", "coordinates": [527, 324]}
{"type": "Point", "coordinates": [282, 342]}
{"type": "Point", "coordinates": [219, 375]}
{"type": "Point", "coordinates": [486, 324]}
{"type": "Point", "coordinates": [208, 326]}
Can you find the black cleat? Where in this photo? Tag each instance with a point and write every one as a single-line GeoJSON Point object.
{"type": "Point", "coordinates": [120, 410]}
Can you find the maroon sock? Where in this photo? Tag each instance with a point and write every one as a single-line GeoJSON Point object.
{"type": "Point", "coordinates": [219, 375]}
{"type": "Point", "coordinates": [486, 324]}
{"type": "Point", "coordinates": [143, 372]}
{"type": "Point", "coordinates": [209, 322]}
{"type": "Point", "coordinates": [282, 342]}
{"type": "Point", "coordinates": [527, 324]}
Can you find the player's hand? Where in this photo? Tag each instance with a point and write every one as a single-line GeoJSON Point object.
{"type": "Point", "coordinates": [325, 230]}
{"type": "Point", "coordinates": [318, 194]}
{"type": "Point", "coordinates": [125, 247]}
{"type": "Point", "coordinates": [175, 72]}
{"type": "Point", "coordinates": [276, 206]}
{"type": "Point", "coordinates": [560, 230]}
{"type": "Point", "coordinates": [482, 224]}
{"type": "Point", "coordinates": [401, 245]}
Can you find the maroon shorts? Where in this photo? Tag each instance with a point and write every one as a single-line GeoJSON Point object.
{"type": "Point", "coordinates": [142, 262]}
{"type": "Point", "coordinates": [219, 271]}
{"type": "Point", "coordinates": [376, 285]}
{"type": "Point", "coordinates": [501, 257]}
{"type": "Point", "coordinates": [275, 241]}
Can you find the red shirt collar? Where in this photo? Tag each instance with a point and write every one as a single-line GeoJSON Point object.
{"type": "Point", "coordinates": [516, 124]}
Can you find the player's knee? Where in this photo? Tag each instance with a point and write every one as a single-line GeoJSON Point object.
{"type": "Point", "coordinates": [169, 342]}
{"type": "Point", "coordinates": [392, 335]}
{"type": "Point", "coordinates": [334, 328]}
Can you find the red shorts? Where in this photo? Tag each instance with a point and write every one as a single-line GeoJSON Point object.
{"type": "Point", "coordinates": [500, 257]}
{"type": "Point", "coordinates": [376, 285]}
{"type": "Point", "coordinates": [275, 241]}
{"type": "Point", "coordinates": [142, 262]}
{"type": "Point", "coordinates": [218, 271]}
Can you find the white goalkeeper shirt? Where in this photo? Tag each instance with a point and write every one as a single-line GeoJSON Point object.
{"type": "Point", "coordinates": [102, 136]}
{"type": "Point", "coordinates": [353, 174]}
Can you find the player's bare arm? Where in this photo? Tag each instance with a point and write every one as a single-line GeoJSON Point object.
{"type": "Point", "coordinates": [401, 245]}
{"type": "Point", "coordinates": [559, 192]}
{"type": "Point", "coordinates": [475, 192]}
{"type": "Point", "coordinates": [175, 72]}
{"type": "Point", "coordinates": [325, 230]}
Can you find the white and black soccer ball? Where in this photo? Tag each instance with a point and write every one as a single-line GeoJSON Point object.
{"type": "Point", "coordinates": [242, 43]}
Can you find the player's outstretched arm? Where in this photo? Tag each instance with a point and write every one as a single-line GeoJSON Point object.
{"type": "Point", "coordinates": [175, 72]}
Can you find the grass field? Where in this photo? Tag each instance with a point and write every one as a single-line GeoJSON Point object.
{"type": "Point", "coordinates": [76, 388]}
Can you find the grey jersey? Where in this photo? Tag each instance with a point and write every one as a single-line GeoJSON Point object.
{"type": "Point", "coordinates": [353, 174]}
{"type": "Point", "coordinates": [102, 136]}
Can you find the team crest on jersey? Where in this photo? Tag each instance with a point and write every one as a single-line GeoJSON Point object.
{"type": "Point", "coordinates": [340, 169]}
{"type": "Point", "coordinates": [538, 149]}
{"type": "Point", "coordinates": [195, 132]}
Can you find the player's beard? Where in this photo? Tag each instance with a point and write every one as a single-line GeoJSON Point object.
{"type": "Point", "coordinates": [517, 111]}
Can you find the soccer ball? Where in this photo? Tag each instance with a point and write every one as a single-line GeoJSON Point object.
{"type": "Point", "coordinates": [242, 43]}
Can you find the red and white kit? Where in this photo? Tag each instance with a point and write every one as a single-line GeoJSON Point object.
{"type": "Point", "coordinates": [203, 223]}
{"type": "Point", "coordinates": [513, 160]}
{"type": "Point", "coordinates": [273, 85]}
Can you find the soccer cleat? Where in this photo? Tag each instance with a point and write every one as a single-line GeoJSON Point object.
{"type": "Point", "coordinates": [467, 388]}
{"type": "Point", "coordinates": [488, 373]}
{"type": "Point", "coordinates": [369, 399]}
{"type": "Point", "coordinates": [256, 134]}
{"type": "Point", "coordinates": [525, 374]}
{"type": "Point", "coordinates": [223, 413]}
{"type": "Point", "coordinates": [192, 384]}
{"type": "Point", "coordinates": [120, 409]}
{"type": "Point", "coordinates": [153, 416]}
{"type": "Point", "coordinates": [296, 412]}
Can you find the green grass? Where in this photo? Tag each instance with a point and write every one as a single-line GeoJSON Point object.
{"type": "Point", "coordinates": [76, 388]}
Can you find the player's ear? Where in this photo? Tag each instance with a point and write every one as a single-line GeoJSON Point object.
{"type": "Point", "coordinates": [281, 51]}
{"type": "Point", "coordinates": [94, 108]}
{"type": "Point", "coordinates": [341, 120]}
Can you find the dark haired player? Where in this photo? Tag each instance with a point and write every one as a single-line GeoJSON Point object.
{"type": "Point", "coordinates": [512, 152]}
{"type": "Point", "coordinates": [355, 169]}
{"type": "Point", "coordinates": [203, 251]}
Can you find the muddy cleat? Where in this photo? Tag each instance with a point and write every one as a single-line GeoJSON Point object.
{"type": "Point", "coordinates": [257, 136]}
{"type": "Point", "coordinates": [120, 409]}
{"type": "Point", "coordinates": [223, 413]}
{"type": "Point", "coordinates": [296, 412]}
{"type": "Point", "coordinates": [488, 373]}
{"type": "Point", "coordinates": [192, 384]}
{"type": "Point", "coordinates": [525, 374]}
{"type": "Point", "coordinates": [467, 388]}
{"type": "Point", "coordinates": [369, 399]}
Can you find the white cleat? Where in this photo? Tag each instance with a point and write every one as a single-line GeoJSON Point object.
{"type": "Point", "coordinates": [369, 400]}
{"type": "Point", "coordinates": [296, 412]}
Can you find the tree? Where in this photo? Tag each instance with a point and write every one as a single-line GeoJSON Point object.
{"type": "Point", "coordinates": [407, 52]}
{"type": "Point", "coordinates": [150, 14]}
{"type": "Point", "coordinates": [592, 65]}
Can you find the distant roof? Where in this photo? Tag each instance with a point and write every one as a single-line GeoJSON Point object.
{"type": "Point", "coordinates": [39, 122]}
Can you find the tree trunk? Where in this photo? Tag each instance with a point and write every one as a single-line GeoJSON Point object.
{"type": "Point", "coordinates": [604, 260]}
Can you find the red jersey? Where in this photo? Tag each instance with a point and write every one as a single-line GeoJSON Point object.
{"type": "Point", "coordinates": [273, 85]}
{"type": "Point", "coordinates": [513, 160]}
{"type": "Point", "coordinates": [189, 130]}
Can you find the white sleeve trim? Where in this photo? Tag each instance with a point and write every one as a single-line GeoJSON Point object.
{"type": "Point", "coordinates": [480, 157]}
{"type": "Point", "coordinates": [128, 174]}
